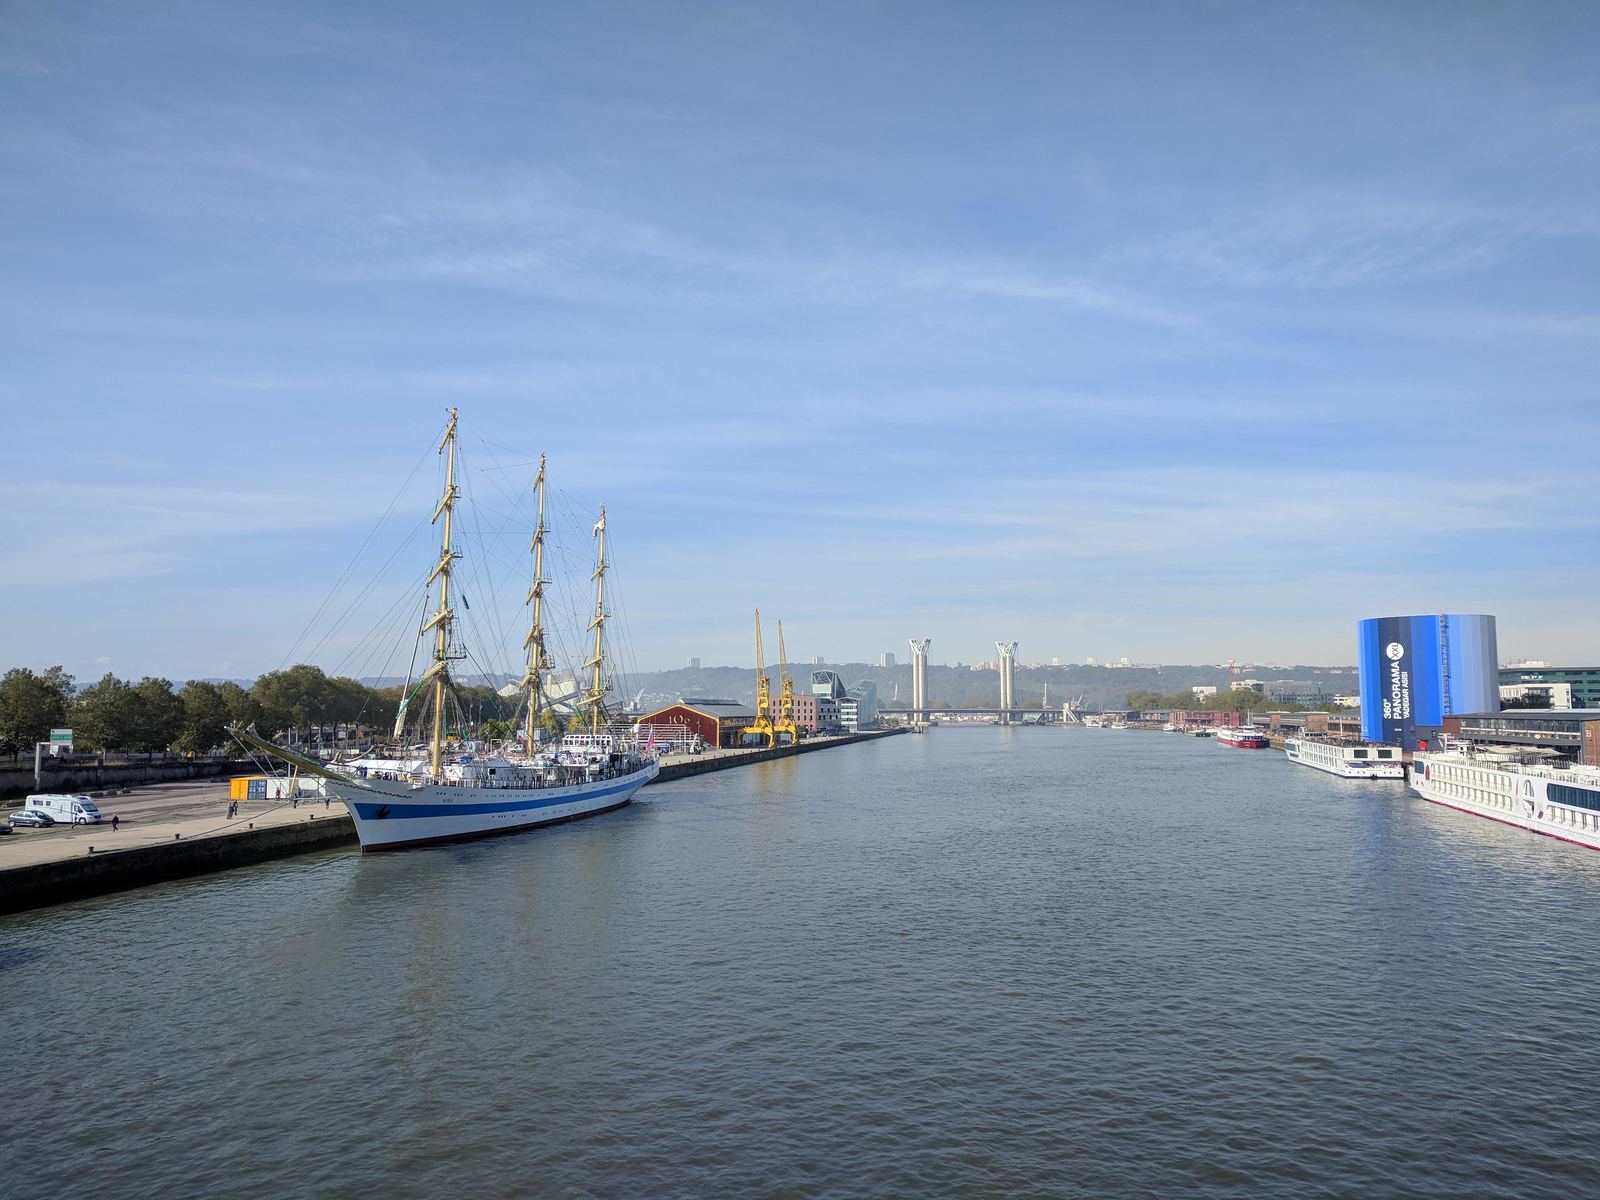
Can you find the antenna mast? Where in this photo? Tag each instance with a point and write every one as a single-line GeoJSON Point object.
{"type": "Point", "coordinates": [443, 619]}
{"type": "Point", "coordinates": [533, 677]}
{"type": "Point", "coordinates": [597, 690]}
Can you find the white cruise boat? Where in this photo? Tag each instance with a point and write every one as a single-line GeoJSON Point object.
{"type": "Point", "coordinates": [1347, 760]}
{"type": "Point", "coordinates": [454, 788]}
{"type": "Point", "coordinates": [1503, 785]}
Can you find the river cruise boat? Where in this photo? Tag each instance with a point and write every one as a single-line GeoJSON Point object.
{"type": "Point", "coordinates": [1515, 788]}
{"type": "Point", "coordinates": [1347, 760]}
{"type": "Point", "coordinates": [1243, 737]}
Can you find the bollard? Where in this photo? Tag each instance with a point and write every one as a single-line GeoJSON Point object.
{"type": "Point", "coordinates": [252, 825]}
{"type": "Point", "coordinates": [176, 836]}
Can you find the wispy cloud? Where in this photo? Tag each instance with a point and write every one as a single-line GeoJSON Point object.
{"type": "Point", "coordinates": [1336, 240]}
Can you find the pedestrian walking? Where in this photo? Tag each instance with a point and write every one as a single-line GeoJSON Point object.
{"type": "Point", "coordinates": [114, 822]}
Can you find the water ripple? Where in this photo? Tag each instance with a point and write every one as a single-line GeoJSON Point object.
{"type": "Point", "coordinates": [977, 963]}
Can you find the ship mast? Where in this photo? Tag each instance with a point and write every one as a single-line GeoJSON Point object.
{"type": "Point", "coordinates": [597, 690]}
{"type": "Point", "coordinates": [443, 619]}
{"type": "Point", "coordinates": [532, 679]}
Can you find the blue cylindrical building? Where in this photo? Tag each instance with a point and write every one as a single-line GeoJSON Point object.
{"type": "Point", "coordinates": [1415, 671]}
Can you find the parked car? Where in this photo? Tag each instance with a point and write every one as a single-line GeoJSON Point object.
{"type": "Point", "coordinates": [31, 817]}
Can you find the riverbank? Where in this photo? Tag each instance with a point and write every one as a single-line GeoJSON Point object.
{"type": "Point", "coordinates": [91, 860]}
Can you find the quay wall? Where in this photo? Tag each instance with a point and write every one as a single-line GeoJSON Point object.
{"type": "Point", "coordinates": [743, 758]}
{"type": "Point", "coordinates": [17, 781]}
{"type": "Point", "coordinates": [86, 874]}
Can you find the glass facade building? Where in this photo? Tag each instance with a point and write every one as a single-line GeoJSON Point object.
{"type": "Point", "coordinates": [1584, 681]}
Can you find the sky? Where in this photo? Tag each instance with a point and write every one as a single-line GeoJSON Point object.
{"type": "Point", "coordinates": [1182, 332]}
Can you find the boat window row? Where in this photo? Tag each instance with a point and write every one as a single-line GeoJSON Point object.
{"type": "Point", "coordinates": [1561, 793]}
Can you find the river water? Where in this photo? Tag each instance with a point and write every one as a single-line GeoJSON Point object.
{"type": "Point", "coordinates": [983, 962]}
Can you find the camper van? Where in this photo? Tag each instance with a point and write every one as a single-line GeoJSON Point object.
{"type": "Point", "coordinates": [67, 810]}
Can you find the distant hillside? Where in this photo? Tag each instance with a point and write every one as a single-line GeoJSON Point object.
{"type": "Point", "coordinates": [1100, 687]}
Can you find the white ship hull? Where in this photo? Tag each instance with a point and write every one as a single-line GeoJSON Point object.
{"type": "Point", "coordinates": [393, 813]}
{"type": "Point", "coordinates": [1538, 800]}
{"type": "Point", "coordinates": [1342, 760]}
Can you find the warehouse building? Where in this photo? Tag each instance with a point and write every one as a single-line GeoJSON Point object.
{"type": "Point", "coordinates": [716, 722]}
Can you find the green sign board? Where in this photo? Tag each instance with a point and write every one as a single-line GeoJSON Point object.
{"type": "Point", "coordinates": [61, 737]}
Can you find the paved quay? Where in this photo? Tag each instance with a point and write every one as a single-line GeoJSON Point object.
{"type": "Point", "coordinates": [170, 831]}
{"type": "Point", "coordinates": [156, 816]}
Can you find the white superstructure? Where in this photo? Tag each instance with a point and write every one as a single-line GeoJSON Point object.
{"type": "Point", "coordinates": [1560, 802]}
{"type": "Point", "coordinates": [1345, 759]}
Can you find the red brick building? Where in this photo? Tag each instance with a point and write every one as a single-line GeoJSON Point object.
{"type": "Point", "coordinates": [717, 722]}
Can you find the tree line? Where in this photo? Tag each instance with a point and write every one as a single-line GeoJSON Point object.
{"type": "Point", "coordinates": [153, 715]}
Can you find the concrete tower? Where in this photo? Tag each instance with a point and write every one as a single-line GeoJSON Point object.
{"type": "Point", "coordinates": [919, 680]}
{"type": "Point", "coordinates": [1008, 680]}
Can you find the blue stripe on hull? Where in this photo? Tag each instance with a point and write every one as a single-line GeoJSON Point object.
{"type": "Point", "coordinates": [415, 843]}
{"type": "Point", "coordinates": [390, 831]}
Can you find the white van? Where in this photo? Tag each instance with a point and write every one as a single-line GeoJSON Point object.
{"type": "Point", "coordinates": [67, 810]}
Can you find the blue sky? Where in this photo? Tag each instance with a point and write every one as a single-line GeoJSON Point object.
{"type": "Point", "coordinates": [1175, 331]}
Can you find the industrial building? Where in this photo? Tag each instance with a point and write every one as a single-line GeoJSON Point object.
{"type": "Point", "coordinates": [716, 722]}
{"type": "Point", "coordinates": [1418, 670]}
{"type": "Point", "coordinates": [1583, 682]}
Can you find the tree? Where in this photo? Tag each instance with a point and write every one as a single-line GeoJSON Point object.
{"type": "Point", "coordinates": [495, 729]}
{"type": "Point", "coordinates": [298, 698]}
{"type": "Point", "coordinates": [550, 722]}
{"type": "Point", "coordinates": [157, 715]}
{"type": "Point", "coordinates": [1531, 700]}
{"type": "Point", "coordinates": [241, 709]}
{"type": "Point", "coordinates": [103, 714]}
{"type": "Point", "coordinates": [206, 716]}
{"type": "Point", "coordinates": [30, 706]}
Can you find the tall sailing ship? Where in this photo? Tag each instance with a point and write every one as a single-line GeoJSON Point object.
{"type": "Point", "coordinates": [444, 792]}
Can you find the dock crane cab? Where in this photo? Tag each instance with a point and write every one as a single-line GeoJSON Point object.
{"type": "Point", "coordinates": [761, 732]}
{"type": "Point", "coordinates": [784, 731]}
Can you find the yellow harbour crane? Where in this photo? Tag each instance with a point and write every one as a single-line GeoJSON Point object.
{"type": "Point", "coordinates": [762, 726]}
{"type": "Point", "coordinates": [784, 730]}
